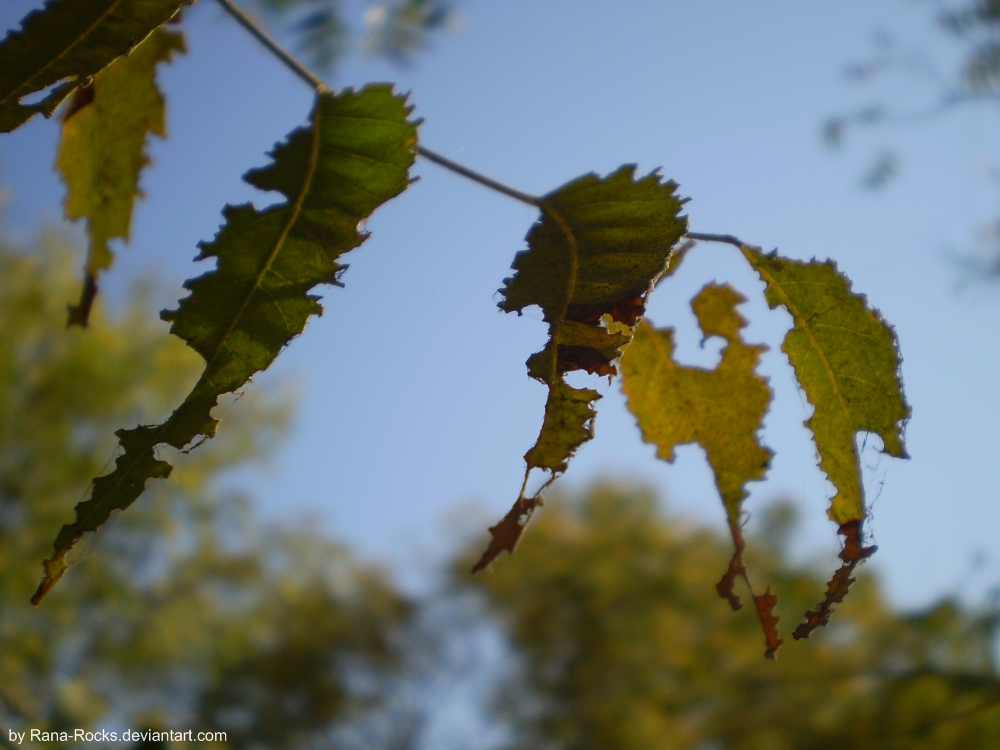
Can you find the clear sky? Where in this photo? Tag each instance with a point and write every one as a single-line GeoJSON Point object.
{"type": "Point", "coordinates": [412, 393]}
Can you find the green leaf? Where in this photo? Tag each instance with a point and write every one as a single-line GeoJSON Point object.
{"type": "Point", "coordinates": [846, 359]}
{"type": "Point", "coordinates": [722, 410]}
{"type": "Point", "coordinates": [65, 43]}
{"type": "Point", "coordinates": [354, 155]}
{"type": "Point", "coordinates": [591, 260]}
{"type": "Point", "coordinates": [103, 150]}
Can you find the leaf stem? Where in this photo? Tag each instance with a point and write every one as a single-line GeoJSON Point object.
{"type": "Point", "coordinates": [282, 54]}
{"type": "Point", "coordinates": [726, 238]}
{"type": "Point", "coordinates": [482, 179]}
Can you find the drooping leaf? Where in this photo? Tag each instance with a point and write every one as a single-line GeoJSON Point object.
{"type": "Point", "coordinates": [591, 261]}
{"type": "Point", "coordinates": [103, 151]}
{"type": "Point", "coordinates": [846, 359]}
{"type": "Point", "coordinates": [722, 410]}
{"type": "Point", "coordinates": [65, 43]}
{"type": "Point", "coordinates": [353, 156]}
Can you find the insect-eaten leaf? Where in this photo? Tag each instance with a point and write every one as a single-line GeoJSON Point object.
{"type": "Point", "coordinates": [354, 155]}
{"type": "Point", "coordinates": [65, 43]}
{"type": "Point", "coordinates": [846, 359]}
{"type": "Point", "coordinates": [722, 410]}
{"type": "Point", "coordinates": [103, 151]}
{"type": "Point", "coordinates": [591, 261]}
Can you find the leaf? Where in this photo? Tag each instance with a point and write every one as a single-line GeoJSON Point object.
{"type": "Point", "coordinates": [103, 150]}
{"type": "Point", "coordinates": [65, 43]}
{"type": "Point", "coordinates": [846, 359]}
{"type": "Point", "coordinates": [591, 260]}
{"type": "Point", "coordinates": [354, 155]}
{"type": "Point", "coordinates": [722, 410]}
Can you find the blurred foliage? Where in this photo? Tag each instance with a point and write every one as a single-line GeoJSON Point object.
{"type": "Point", "coordinates": [976, 27]}
{"type": "Point", "coordinates": [623, 643]}
{"type": "Point", "coordinates": [185, 614]}
{"type": "Point", "coordinates": [395, 29]}
{"type": "Point", "coordinates": [978, 24]}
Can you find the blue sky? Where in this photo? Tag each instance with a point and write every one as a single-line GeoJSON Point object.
{"type": "Point", "coordinates": [413, 398]}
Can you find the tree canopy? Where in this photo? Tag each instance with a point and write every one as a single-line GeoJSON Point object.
{"type": "Point", "coordinates": [620, 642]}
{"type": "Point", "coordinates": [187, 613]}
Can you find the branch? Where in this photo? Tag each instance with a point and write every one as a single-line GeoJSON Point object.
{"type": "Point", "coordinates": [317, 83]}
{"type": "Point", "coordinates": [726, 238]}
{"type": "Point", "coordinates": [276, 49]}
{"type": "Point", "coordinates": [482, 179]}
{"type": "Point", "coordinates": [321, 88]}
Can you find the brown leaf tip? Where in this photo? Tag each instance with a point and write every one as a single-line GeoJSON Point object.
{"type": "Point", "coordinates": [852, 554]}
{"type": "Point", "coordinates": [765, 608]}
{"type": "Point", "coordinates": [726, 584]}
{"type": "Point", "coordinates": [506, 534]}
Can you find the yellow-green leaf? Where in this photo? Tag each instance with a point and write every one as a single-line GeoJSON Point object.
{"type": "Point", "coordinates": [354, 155]}
{"type": "Point", "coordinates": [103, 150]}
{"type": "Point", "coordinates": [591, 260]}
{"type": "Point", "coordinates": [722, 410]}
{"type": "Point", "coordinates": [846, 359]}
{"type": "Point", "coordinates": [64, 43]}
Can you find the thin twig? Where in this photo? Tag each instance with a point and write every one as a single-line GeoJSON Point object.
{"type": "Point", "coordinates": [489, 182]}
{"type": "Point", "coordinates": [726, 238]}
{"type": "Point", "coordinates": [282, 54]}
{"type": "Point", "coordinates": [317, 83]}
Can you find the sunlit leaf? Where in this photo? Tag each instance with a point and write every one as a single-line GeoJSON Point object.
{"type": "Point", "coordinates": [722, 410]}
{"type": "Point", "coordinates": [846, 359]}
{"type": "Point", "coordinates": [591, 261]}
{"type": "Point", "coordinates": [66, 42]}
{"type": "Point", "coordinates": [353, 156]}
{"type": "Point", "coordinates": [103, 150]}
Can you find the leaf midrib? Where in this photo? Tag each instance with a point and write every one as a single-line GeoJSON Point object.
{"type": "Point", "coordinates": [574, 267]}
{"type": "Point", "coordinates": [798, 316]}
{"type": "Point", "coordinates": [293, 218]}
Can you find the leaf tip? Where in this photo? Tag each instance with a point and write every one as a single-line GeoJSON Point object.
{"type": "Point", "coordinates": [54, 568]}
{"type": "Point", "coordinates": [765, 608]}
{"type": "Point", "coordinates": [725, 586]}
{"type": "Point", "coordinates": [506, 534]}
{"type": "Point", "coordinates": [854, 552]}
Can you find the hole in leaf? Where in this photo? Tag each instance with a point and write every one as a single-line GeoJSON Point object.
{"type": "Point", "coordinates": [36, 97]}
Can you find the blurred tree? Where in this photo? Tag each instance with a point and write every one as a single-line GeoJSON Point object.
{"type": "Point", "coordinates": [978, 25]}
{"type": "Point", "coordinates": [395, 29]}
{"type": "Point", "coordinates": [185, 615]}
{"type": "Point", "coordinates": [975, 26]}
{"type": "Point", "coordinates": [623, 643]}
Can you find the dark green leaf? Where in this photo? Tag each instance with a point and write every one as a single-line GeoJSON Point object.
{"type": "Point", "coordinates": [354, 155]}
{"type": "Point", "coordinates": [65, 43]}
{"type": "Point", "coordinates": [591, 261]}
